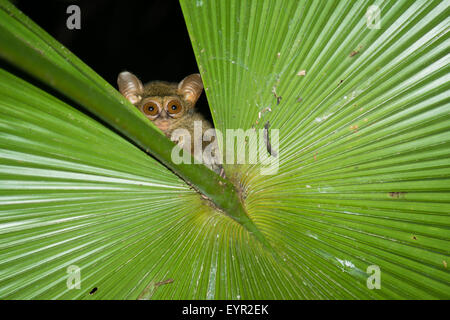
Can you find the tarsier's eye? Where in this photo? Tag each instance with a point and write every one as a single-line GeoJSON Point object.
{"type": "Point", "coordinates": [150, 108]}
{"type": "Point", "coordinates": [174, 106]}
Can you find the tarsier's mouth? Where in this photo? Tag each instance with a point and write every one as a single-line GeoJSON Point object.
{"type": "Point", "coordinates": [163, 125]}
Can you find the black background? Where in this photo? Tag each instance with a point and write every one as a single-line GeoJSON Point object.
{"type": "Point", "coordinates": [281, 309]}
{"type": "Point", "coordinates": [148, 38]}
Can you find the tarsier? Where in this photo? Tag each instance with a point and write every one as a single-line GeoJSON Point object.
{"type": "Point", "coordinates": [171, 106]}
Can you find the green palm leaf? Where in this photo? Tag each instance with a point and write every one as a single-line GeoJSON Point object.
{"type": "Point", "coordinates": [363, 177]}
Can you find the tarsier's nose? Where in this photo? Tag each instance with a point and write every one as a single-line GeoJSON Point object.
{"type": "Point", "coordinates": [164, 115]}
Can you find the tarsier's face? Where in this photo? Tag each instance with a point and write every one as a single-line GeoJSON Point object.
{"type": "Point", "coordinates": [164, 111]}
{"type": "Point", "coordinates": [163, 103]}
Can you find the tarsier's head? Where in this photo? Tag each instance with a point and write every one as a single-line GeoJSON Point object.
{"type": "Point", "coordinates": [164, 103]}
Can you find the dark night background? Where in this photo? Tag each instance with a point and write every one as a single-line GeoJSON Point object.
{"type": "Point", "coordinates": [148, 38]}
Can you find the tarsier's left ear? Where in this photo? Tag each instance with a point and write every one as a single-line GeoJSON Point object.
{"type": "Point", "coordinates": [191, 88]}
{"type": "Point", "coordinates": [130, 86]}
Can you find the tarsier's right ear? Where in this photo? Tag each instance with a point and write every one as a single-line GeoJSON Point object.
{"type": "Point", "coordinates": [130, 86]}
{"type": "Point", "coordinates": [191, 88]}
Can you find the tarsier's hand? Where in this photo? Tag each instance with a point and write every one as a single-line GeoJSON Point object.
{"type": "Point", "coordinates": [213, 160]}
{"type": "Point", "coordinates": [208, 154]}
